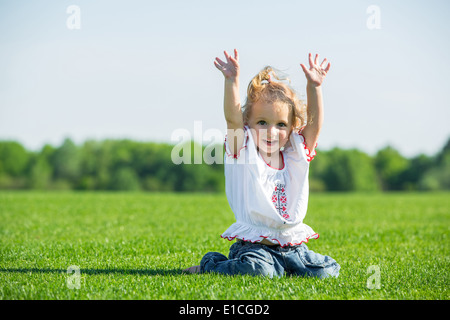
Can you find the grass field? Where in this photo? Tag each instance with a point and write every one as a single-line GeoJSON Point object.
{"type": "Point", "coordinates": [134, 246]}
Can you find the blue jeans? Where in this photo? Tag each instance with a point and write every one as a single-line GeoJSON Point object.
{"type": "Point", "coordinates": [272, 261]}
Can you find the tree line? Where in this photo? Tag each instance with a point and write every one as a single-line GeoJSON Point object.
{"type": "Point", "coordinates": [147, 166]}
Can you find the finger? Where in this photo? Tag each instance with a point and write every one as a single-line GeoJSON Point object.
{"type": "Point", "coordinates": [323, 63]}
{"type": "Point", "coordinates": [218, 66]}
{"type": "Point", "coordinates": [328, 67]}
{"type": "Point", "coordinates": [220, 62]}
{"type": "Point", "coordinates": [310, 61]}
{"type": "Point", "coordinates": [227, 56]}
{"type": "Point", "coordinates": [316, 60]}
{"type": "Point", "coordinates": [234, 61]}
{"type": "Point", "coordinates": [236, 55]}
{"type": "Point", "coordinates": [304, 68]}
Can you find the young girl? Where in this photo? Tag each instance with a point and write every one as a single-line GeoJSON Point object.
{"type": "Point", "coordinates": [269, 147]}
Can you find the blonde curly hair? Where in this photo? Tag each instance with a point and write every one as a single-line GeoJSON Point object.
{"type": "Point", "coordinates": [269, 85]}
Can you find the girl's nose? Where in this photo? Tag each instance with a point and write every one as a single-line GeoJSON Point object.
{"type": "Point", "coordinates": [273, 131]}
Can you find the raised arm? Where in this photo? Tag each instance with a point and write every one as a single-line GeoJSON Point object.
{"type": "Point", "coordinates": [231, 102]}
{"type": "Point", "coordinates": [315, 76]}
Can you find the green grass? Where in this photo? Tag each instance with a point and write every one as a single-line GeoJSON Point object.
{"type": "Point", "coordinates": [134, 246]}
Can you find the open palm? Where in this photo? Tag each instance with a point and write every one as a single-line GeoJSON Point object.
{"type": "Point", "coordinates": [316, 73]}
{"type": "Point", "coordinates": [230, 68]}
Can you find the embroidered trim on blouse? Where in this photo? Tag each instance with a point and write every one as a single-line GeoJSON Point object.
{"type": "Point", "coordinates": [282, 159]}
{"type": "Point", "coordinates": [314, 236]}
{"type": "Point", "coordinates": [309, 156]}
{"type": "Point", "coordinates": [235, 156]}
{"type": "Point", "coordinates": [279, 200]}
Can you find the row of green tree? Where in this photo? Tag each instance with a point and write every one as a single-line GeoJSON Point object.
{"type": "Point", "coordinates": [131, 165]}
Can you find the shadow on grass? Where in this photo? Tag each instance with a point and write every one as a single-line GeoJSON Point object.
{"type": "Point", "coordinates": [144, 272]}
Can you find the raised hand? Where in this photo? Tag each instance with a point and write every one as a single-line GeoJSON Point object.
{"type": "Point", "coordinates": [316, 73]}
{"type": "Point", "coordinates": [230, 68]}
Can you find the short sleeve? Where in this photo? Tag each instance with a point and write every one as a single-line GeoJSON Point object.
{"type": "Point", "coordinates": [298, 143]}
{"type": "Point", "coordinates": [229, 153]}
{"type": "Point", "coordinates": [309, 155]}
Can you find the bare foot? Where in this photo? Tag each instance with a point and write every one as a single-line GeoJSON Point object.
{"type": "Point", "coordinates": [194, 269]}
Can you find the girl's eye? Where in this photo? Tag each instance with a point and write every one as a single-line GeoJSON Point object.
{"type": "Point", "coordinates": [281, 124]}
{"type": "Point", "coordinates": [261, 122]}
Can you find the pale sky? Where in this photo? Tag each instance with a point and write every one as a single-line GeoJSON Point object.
{"type": "Point", "coordinates": [143, 69]}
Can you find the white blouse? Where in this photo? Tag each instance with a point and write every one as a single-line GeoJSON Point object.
{"type": "Point", "coordinates": [268, 203]}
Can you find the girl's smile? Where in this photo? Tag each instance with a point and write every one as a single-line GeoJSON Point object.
{"type": "Point", "coordinates": [271, 144]}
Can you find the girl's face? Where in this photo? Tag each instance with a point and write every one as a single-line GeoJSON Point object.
{"type": "Point", "coordinates": [271, 124]}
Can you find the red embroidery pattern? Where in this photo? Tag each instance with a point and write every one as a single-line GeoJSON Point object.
{"type": "Point", "coordinates": [279, 200]}
{"type": "Point", "coordinates": [309, 155]}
